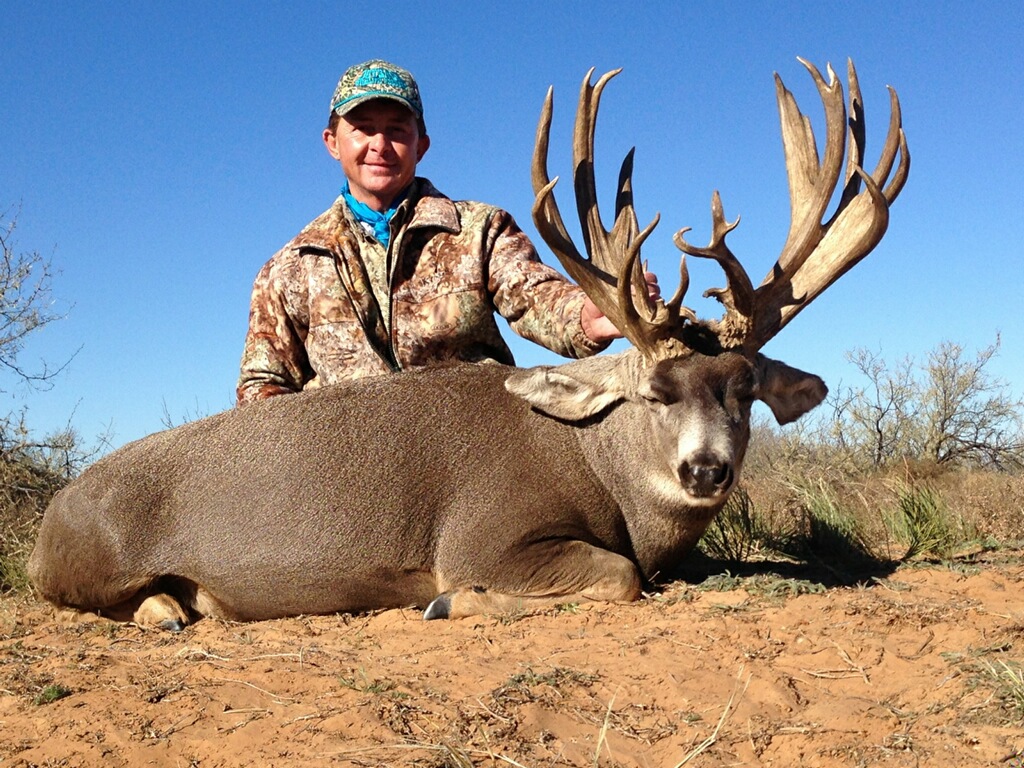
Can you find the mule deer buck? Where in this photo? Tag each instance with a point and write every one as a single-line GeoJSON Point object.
{"type": "Point", "coordinates": [473, 489]}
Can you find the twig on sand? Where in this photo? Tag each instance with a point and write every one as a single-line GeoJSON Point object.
{"type": "Point", "coordinates": [706, 744]}
{"type": "Point", "coordinates": [278, 699]}
{"type": "Point", "coordinates": [451, 751]}
{"type": "Point", "coordinates": [604, 732]}
{"type": "Point", "coordinates": [853, 670]}
{"type": "Point", "coordinates": [193, 653]}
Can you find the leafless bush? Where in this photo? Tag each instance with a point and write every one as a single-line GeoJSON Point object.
{"type": "Point", "coordinates": [26, 303]}
{"type": "Point", "coordinates": [949, 410]}
{"type": "Point", "coordinates": [30, 474]}
{"type": "Point", "coordinates": [32, 469]}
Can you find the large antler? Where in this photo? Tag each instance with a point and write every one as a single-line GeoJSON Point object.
{"type": "Point", "coordinates": [815, 254]}
{"type": "Point", "coordinates": [612, 276]}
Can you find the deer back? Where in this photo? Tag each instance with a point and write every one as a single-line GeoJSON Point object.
{"type": "Point", "coordinates": [280, 506]}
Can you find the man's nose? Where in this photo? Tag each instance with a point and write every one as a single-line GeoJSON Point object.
{"type": "Point", "coordinates": [379, 143]}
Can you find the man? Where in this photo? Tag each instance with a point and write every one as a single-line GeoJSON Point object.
{"type": "Point", "coordinates": [395, 275]}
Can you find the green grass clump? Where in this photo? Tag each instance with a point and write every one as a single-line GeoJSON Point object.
{"type": "Point", "coordinates": [820, 530]}
{"type": "Point", "coordinates": [924, 525]}
{"type": "Point", "coordinates": [51, 693]}
{"type": "Point", "coordinates": [830, 533]}
{"type": "Point", "coordinates": [734, 535]}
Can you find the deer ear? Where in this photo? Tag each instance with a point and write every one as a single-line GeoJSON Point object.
{"type": "Point", "coordinates": [789, 392]}
{"type": "Point", "coordinates": [573, 391]}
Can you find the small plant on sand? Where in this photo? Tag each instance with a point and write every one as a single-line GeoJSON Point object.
{"type": "Point", "coordinates": [51, 693]}
{"type": "Point", "coordinates": [363, 684]}
{"type": "Point", "coordinates": [1003, 677]}
{"type": "Point", "coordinates": [734, 534]}
{"type": "Point", "coordinates": [531, 685]}
{"type": "Point", "coordinates": [1008, 679]}
{"type": "Point", "coordinates": [925, 526]}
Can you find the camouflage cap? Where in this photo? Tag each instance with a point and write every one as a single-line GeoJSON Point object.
{"type": "Point", "coordinates": [376, 79]}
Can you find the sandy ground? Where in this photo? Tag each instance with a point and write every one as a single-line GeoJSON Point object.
{"type": "Point", "coordinates": [914, 669]}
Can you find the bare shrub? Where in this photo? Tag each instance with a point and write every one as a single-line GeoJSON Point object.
{"type": "Point", "coordinates": [31, 469]}
{"type": "Point", "coordinates": [949, 410]}
{"type": "Point", "coordinates": [26, 303]}
{"type": "Point", "coordinates": [31, 472]}
{"type": "Point", "coordinates": [969, 416]}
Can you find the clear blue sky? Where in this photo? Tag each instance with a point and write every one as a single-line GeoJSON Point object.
{"type": "Point", "coordinates": [161, 152]}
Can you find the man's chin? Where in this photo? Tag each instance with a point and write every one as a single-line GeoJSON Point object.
{"type": "Point", "coordinates": [384, 188]}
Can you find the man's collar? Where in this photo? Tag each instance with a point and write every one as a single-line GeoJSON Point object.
{"type": "Point", "coordinates": [430, 208]}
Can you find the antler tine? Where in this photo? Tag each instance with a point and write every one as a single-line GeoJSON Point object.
{"type": "Point", "coordinates": [737, 297]}
{"type": "Point", "coordinates": [895, 141]}
{"type": "Point", "coordinates": [583, 160]}
{"type": "Point", "coordinates": [612, 276]}
{"type": "Point", "coordinates": [815, 254]}
{"type": "Point", "coordinates": [546, 215]}
{"type": "Point", "coordinates": [811, 182]}
{"type": "Point", "coordinates": [857, 136]}
{"type": "Point", "coordinates": [625, 237]}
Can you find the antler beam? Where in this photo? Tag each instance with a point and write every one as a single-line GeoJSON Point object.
{"type": "Point", "coordinates": [815, 254]}
{"type": "Point", "coordinates": [612, 276]}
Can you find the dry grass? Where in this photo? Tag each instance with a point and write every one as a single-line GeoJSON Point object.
{"type": "Point", "coordinates": [26, 487]}
{"type": "Point", "coordinates": [916, 509]}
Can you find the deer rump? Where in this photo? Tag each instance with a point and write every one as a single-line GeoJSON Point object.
{"type": "Point", "coordinates": [386, 492]}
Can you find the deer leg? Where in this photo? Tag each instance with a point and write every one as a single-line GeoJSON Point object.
{"type": "Point", "coordinates": [161, 611]}
{"type": "Point", "coordinates": [169, 603]}
{"type": "Point", "coordinates": [579, 572]}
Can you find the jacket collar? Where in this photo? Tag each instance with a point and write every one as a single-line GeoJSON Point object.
{"type": "Point", "coordinates": [430, 208]}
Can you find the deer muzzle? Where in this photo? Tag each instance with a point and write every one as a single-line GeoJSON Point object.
{"type": "Point", "coordinates": [706, 477]}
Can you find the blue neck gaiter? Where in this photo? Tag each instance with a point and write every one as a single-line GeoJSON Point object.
{"type": "Point", "coordinates": [379, 220]}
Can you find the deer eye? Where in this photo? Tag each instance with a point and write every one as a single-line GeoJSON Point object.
{"type": "Point", "coordinates": [655, 394]}
{"type": "Point", "coordinates": [739, 392]}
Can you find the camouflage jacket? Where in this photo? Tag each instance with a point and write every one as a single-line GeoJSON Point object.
{"type": "Point", "coordinates": [314, 318]}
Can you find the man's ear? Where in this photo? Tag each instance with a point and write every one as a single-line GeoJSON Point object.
{"type": "Point", "coordinates": [789, 392]}
{"type": "Point", "coordinates": [422, 146]}
{"type": "Point", "coordinates": [572, 392]}
{"type": "Point", "coordinates": [331, 142]}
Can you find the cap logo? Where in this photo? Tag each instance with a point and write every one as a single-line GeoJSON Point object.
{"type": "Point", "coordinates": [380, 77]}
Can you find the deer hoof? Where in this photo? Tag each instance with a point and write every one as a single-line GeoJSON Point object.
{"type": "Point", "coordinates": [440, 608]}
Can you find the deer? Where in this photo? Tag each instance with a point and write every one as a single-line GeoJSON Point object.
{"type": "Point", "coordinates": [477, 489]}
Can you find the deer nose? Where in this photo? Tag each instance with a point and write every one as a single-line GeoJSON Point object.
{"type": "Point", "coordinates": [705, 476]}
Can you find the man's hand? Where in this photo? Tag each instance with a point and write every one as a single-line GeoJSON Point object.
{"type": "Point", "coordinates": [599, 328]}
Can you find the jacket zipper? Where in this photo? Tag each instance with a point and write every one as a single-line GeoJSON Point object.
{"type": "Point", "coordinates": [387, 354]}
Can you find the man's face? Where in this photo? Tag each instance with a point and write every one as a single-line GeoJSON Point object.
{"type": "Point", "coordinates": [378, 145]}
